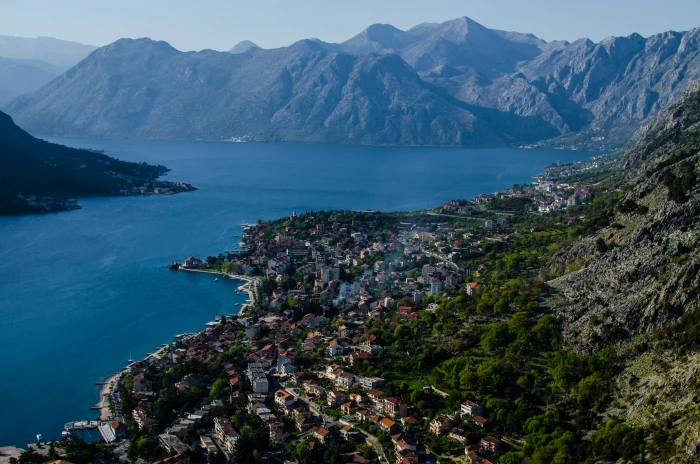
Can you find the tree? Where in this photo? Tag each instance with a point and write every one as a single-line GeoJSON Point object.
{"type": "Point", "coordinates": [31, 457]}
{"type": "Point", "coordinates": [498, 336]}
{"type": "Point", "coordinates": [303, 453]}
{"type": "Point", "coordinates": [332, 455]}
{"type": "Point", "coordinates": [219, 389]}
{"type": "Point", "coordinates": [600, 245]}
{"type": "Point", "coordinates": [52, 455]}
{"type": "Point", "coordinates": [512, 458]}
{"type": "Point", "coordinates": [367, 451]}
{"type": "Point", "coordinates": [616, 440]}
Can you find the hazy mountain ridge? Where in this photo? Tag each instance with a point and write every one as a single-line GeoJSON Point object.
{"type": "Point", "coordinates": [61, 53]}
{"type": "Point", "coordinates": [454, 83]}
{"type": "Point", "coordinates": [18, 77]}
{"type": "Point", "coordinates": [28, 64]}
{"type": "Point", "coordinates": [243, 46]}
{"type": "Point", "coordinates": [134, 88]}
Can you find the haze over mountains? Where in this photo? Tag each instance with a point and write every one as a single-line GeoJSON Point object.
{"type": "Point", "coordinates": [27, 64]}
{"type": "Point", "coordinates": [243, 46]}
{"type": "Point", "coordinates": [454, 83]}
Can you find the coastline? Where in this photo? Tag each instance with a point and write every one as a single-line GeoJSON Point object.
{"type": "Point", "coordinates": [246, 288]}
{"type": "Point", "coordinates": [108, 387]}
{"type": "Point", "coordinates": [106, 395]}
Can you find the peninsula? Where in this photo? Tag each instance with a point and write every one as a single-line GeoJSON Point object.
{"type": "Point", "coordinates": [40, 177]}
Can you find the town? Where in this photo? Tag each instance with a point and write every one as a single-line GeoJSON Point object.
{"type": "Point", "coordinates": [370, 337]}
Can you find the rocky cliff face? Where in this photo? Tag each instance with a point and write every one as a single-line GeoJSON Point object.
{"type": "Point", "coordinates": [638, 280]}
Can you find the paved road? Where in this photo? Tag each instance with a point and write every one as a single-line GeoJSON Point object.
{"type": "Point", "coordinates": [372, 440]}
{"type": "Point", "coordinates": [464, 216]}
{"type": "Point", "coordinates": [441, 258]}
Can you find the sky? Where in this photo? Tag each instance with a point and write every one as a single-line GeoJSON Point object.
{"type": "Point", "coordinates": [220, 24]}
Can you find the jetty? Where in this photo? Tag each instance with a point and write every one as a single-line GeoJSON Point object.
{"type": "Point", "coordinates": [80, 425]}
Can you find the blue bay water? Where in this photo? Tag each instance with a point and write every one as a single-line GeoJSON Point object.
{"type": "Point", "coordinates": [80, 291]}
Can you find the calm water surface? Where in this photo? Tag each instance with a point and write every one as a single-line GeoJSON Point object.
{"type": "Point", "coordinates": [82, 291]}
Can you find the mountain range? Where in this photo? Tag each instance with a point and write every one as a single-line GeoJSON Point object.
{"type": "Point", "coordinates": [28, 64]}
{"type": "Point", "coordinates": [454, 83]}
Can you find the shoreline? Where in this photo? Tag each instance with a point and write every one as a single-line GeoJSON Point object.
{"type": "Point", "coordinates": [110, 384]}
{"type": "Point", "coordinates": [243, 288]}
{"type": "Point", "coordinates": [106, 395]}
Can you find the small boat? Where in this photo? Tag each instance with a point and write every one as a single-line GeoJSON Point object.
{"type": "Point", "coordinates": [39, 438]}
{"type": "Point", "coordinates": [216, 280]}
{"type": "Point", "coordinates": [238, 304]}
{"type": "Point", "coordinates": [65, 434]}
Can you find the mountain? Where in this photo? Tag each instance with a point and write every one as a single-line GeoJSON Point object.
{"type": "Point", "coordinates": [452, 83]}
{"type": "Point", "coordinates": [143, 88]}
{"type": "Point", "coordinates": [60, 53]}
{"type": "Point", "coordinates": [37, 176]}
{"type": "Point", "coordinates": [461, 43]}
{"type": "Point", "coordinates": [243, 46]}
{"type": "Point", "coordinates": [634, 283]}
{"type": "Point", "coordinates": [22, 76]}
{"type": "Point", "coordinates": [28, 64]}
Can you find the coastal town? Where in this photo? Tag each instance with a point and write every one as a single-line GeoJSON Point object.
{"type": "Point", "coordinates": [350, 346]}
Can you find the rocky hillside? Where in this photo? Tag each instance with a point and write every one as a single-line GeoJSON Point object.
{"type": "Point", "coordinates": [142, 88]}
{"type": "Point", "coordinates": [454, 83]}
{"type": "Point", "coordinates": [636, 281]}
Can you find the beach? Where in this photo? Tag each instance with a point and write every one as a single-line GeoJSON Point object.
{"type": "Point", "coordinates": [105, 396]}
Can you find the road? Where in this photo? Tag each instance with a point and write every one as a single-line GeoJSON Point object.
{"type": "Point", "coordinates": [441, 258]}
{"type": "Point", "coordinates": [464, 216]}
{"type": "Point", "coordinates": [372, 440]}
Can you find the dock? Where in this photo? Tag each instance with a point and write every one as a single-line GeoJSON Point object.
{"type": "Point", "coordinates": [80, 425]}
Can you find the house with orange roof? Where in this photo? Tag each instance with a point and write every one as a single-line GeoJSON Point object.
{"type": "Point", "coordinates": [387, 425]}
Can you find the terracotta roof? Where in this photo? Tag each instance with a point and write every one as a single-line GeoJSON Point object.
{"type": "Point", "coordinates": [388, 422]}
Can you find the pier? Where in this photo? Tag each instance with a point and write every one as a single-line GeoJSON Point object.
{"type": "Point", "coordinates": [80, 425]}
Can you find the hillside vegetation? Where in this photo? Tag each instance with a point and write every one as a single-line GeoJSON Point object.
{"type": "Point", "coordinates": [38, 176]}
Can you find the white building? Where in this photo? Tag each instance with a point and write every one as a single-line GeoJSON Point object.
{"type": "Point", "coordinates": [258, 378]}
